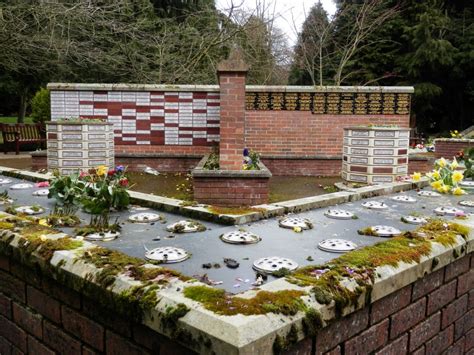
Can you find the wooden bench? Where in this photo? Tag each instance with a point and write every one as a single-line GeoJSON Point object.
{"type": "Point", "coordinates": [17, 134]}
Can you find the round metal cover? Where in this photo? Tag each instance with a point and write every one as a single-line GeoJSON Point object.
{"type": "Point", "coordinates": [167, 255]}
{"type": "Point", "coordinates": [21, 186]}
{"type": "Point", "coordinates": [144, 217]}
{"type": "Point", "coordinates": [467, 184]}
{"type": "Point", "coordinates": [184, 227]}
{"type": "Point", "coordinates": [414, 220]}
{"type": "Point", "coordinates": [292, 222]}
{"type": "Point", "coordinates": [274, 263]}
{"type": "Point", "coordinates": [102, 236]}
{"type": "Point", "coordinates": [375, 205]}
{"type": "Point", "coordinates": [448, 211]}
{"type": "Point", "coordinates": [4, 181]}
{"type": "Point", "coordinates": [429, 194]}
{"type": "Point", "coordinates": [404, 198]}
{"type": "Point", "coordinates": [337, 245]}
{"type": "Point", "coordinates": [466, 203]}
{"type": "Point", "coordinates": [240, 237]}
{"type": "Point", "coordinates": [339, 214]}
{"type": "Point", "coordinates": [42, 192]}
{"type": "Point", "coordinates": [5, 201]}
{"type": "Point", "coordinates": [30, 210]}
{"type": "Point", "coordinates": [385, 231]}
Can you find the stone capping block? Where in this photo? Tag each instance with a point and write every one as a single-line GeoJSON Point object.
{"type": "Point", "coordinates": [241, 334]}
{"type": "Point", "coordinates": [130, 87]}
{"type": "Point", "coordinates": [454, 140]}
{"type": "Point", "coordinates": [342, 89]}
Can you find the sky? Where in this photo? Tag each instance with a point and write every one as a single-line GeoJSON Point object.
{"type": "Point", "coordinates": [289, 13]}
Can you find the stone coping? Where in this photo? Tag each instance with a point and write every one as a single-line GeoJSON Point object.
{"type": "Point", "coordinates": [266, 210]}
{"type": "Point", "coordinates": [215, 88]}
{"type": "Point", "coordinates": [341, 89]}
{"type": "Point", "coordinates": [199, 171]}
{"type": "Point", "coordinates": [130, 87]}
{"type": "Point", "coordinates": [377, 128]}
{"type": "Point", "coordinates": [238, 334]}
{"type": "Point", "coordinates": [456, 140]}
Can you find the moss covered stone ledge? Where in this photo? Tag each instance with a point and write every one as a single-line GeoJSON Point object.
{"type": "Point", "coordinates": [294, 312]}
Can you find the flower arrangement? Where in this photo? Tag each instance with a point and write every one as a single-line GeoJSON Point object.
{"type": "Point", "coordinates": [444, 178]}
{"type": "Point", "coordinates": [455, 134]}
{"type": "Point", "coordinates": [251, 160]}
{"type": "Point", "coordinates": [97, 191]}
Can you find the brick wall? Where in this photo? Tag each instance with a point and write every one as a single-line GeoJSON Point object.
{"type": "Point", "coordinates": [448, 148]}
{"type": "Point", "coordinates": [301, 133]}
{"type": "Point", "coordinates": [40, 316]}
{"type": "Point", "coordinates": [433, 315]}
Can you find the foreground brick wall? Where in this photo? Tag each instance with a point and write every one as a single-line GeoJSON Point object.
{"type": "Point", "coordinates": [433, 315]}
{"type": "Point", "coordinates": [40, 316]}
{"type": "Point", "coordinates": [448, 148]}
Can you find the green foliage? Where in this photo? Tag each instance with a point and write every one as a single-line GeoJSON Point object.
{"type": "Point", "coordinates": [41, 106]}
{"type": "Point", "coordinates": [468, 157]}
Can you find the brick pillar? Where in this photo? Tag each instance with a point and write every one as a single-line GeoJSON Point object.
{"type": "Point", "coordinates": [232, 73]}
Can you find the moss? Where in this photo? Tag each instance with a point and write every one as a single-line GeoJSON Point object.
{"type": "Point", "coordinates": [82, 231]}
{"type": "Point", "coordinates": [136, 300]}
{"type": "Point", "coordinates": [63, 221]}
{"type": "Point", "coordinates": [281, 272]}
{"type": "Point", "coordinates": [286, 302]}
{"type": "Point", "coordinates": [278, 345]}
{"type": "Point", "coordinates": [6, 225]}
{"type": "Point", "coordinates": [148, 274]}
{"type": "Point", "coordinates": [312, 322]}
{"type": "Point", "coordinates": [170, 318]}
{"type": "Point", "coordinates": [235, 210]}
{"type": "Point", "coordinates": [282, 344]}
{"type": "Point", "coordinates": [322, 295]}
{"type": "Point", "coordinates": [189, 204]}
{"type": "Point", "coordinates": [369, 231]}
{"type": "Point", "coordinates": [47, 247]}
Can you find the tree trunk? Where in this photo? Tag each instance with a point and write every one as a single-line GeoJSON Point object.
{"type": "Point", "coordinates": [22, 107]}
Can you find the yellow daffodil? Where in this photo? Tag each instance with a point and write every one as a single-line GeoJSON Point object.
{"type": "Point", "coordinates": [454, 164]}
{"type": "Point", "coordinates": [43, 222]}
{"type": "Point", "coordinates": [297, 229]}
{"type": "Point", "coordinates": [442, 162]}
{"type": "Point", "coordinates": [458, 191]}
{"type": "Point", "coordinates": [101, 170]}
{"type": "Point", "coordinates": [416, 177]}
{"type": "Point", "coordinates": [445, 189]}
{"type": "Point", "coordinates": [437, 184]}
{"type": "Point", "coordinates": [429, 175]}
{"type": "Point", "coordinates": [457, 176]}
{"type": "Point", "coordinates": [436, 174]}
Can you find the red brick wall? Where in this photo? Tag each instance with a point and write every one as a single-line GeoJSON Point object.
{"type": "Point", "coordinates": [231, 191]}
{"type": "Point", "coordinates": [40, 316]}
{"type": "Point", "coordinates": [301, 133]}
{"type": "Point", "coordinates": [433, 315]}
{"type": "Point", "coordinates": [448, 149]}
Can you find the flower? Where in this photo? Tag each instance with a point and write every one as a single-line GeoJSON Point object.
{"type": "Point", "coordinates": [297, 229]}
{"type": "Point", "coordinates": [437, 184]}
{"type": "Point", "coordinates": [123, 182]}
{"type": "Point", "coordinates": [101, 170]}
{"type": "Point", "coordinates": [454, 164]}
{"type": "Point", "coordinates": [441, 162]}
{"type": "Point", "coordinates": [120, 168]}
{"type": "Point", "coordinates": [416, 177]}
{"type": "Point", "coordinates": [436, 174]}
{"type": "Point", "coordinates": [42, 184]}
{"type": "Point", "coordinates": [458, 191]}
{"type": "Point", "coordinates": [457, 176]}
{"type": "Point", "coordinates": [444, 189]}
{"type": "Point", "coordinates": [246, 152]}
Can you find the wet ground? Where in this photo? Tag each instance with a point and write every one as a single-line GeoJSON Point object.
{"type": "Point", "coordinates": [206, 247]}
{"type": "Point", "coordinates": [11, 160]}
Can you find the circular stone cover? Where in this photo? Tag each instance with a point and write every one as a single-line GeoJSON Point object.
{"type": "Point", "coordinates": [240, 237]}
{"type": "Point", "coordinates": [292, 222]}
{"type": "Point", "coordinates": [429, 194]}
{"type": "Point", "coordinates": [448, 211]}
{"type": "Point", "coordinates": [102, 236]}
{"type": "Point", "coordinates": [21, 186]}
{"type": "Point", "coordinates": [42, 192]}
{"type": "Point", "coordinates": [467, 184]}
{"type": "Point", "coordinates": [339, 214]}
{"type": "Point", "coordinates": [414, 220]}
{"type": "Point", "coordinates": [337, 245]}
{"type": "Point", "coordinates": [167, 255]}
{"type": "Point", "coordinates": [385, 231]}
{"type": "Point", "coordinates": [375, 205]}
{"type": "Point", "coordinates": [30, 210]}
{"type": "Point", "coordinates": [4, 181]}
{"type": "Point", "coordinates": [274, 263]}
{"type": "Point", "coordinates": [144, 217]}
{"type": "Point", "coordinates": [184, 227]}
{"type": "Point", "coordinates": [404, 198]}
{"type": "Point", "coordinates": [466, 203]}
{"type": "Point", "coordinates": [4, 201]}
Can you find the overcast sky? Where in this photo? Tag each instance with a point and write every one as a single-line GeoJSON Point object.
{"type": "Point", "coordinates": [288, 12]}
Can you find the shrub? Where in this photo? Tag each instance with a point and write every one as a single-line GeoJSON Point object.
{"type": "Point", "coordinates": [40, 106]}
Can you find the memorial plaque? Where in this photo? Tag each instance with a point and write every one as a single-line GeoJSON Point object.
{"type": "Point", "coordinates": [360, 133]}
{"type": "Point", "coordinates": [96, 128]}
{"type": "Point", "coordinates": [97, 136]}
{"type": "Point", "coordinates": [382, 179]}
{"type": "Point", "coordinates": [403, 142]}
{"type": "Point", "coordinates": [72, 145]}
{"type": "Point", "coordinates": [97, 162]}
{"type": "Point", "coordinates": [97, 154]}
{"type": "Point", "coordinates": [383, 161]}
{"type": "Point", "coordinates": [52, 162]}
{"type": "Point", "coordinates": [52, 144]}
{"type": "Point", "coordinates": [72, 136]}
{"type": "Point", "coordinates": [97, 145]}
{"type": "Point", "coordinates": [71, 127]}
{"type": "Point", "coordinates": [359, 178]}
{"type": "Point", "coordinates": [72, 163]}
{"type": "Point", "coordinates": [359, 160]}
{"type": "Point", "coordinates": [359, 141]}
{"type": "Point", "coordinates": [383, 151]}
{"type": "Point", "coordinates": [359, 151]}
{"type": "Point", "coordinates": [52, 153]}
{"type": "Point", "coordinates": [384, 143]}
{"type": "Point", "coordinates": [67, 154]}
{"type": "Point", "coordinates": [388, 134]}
